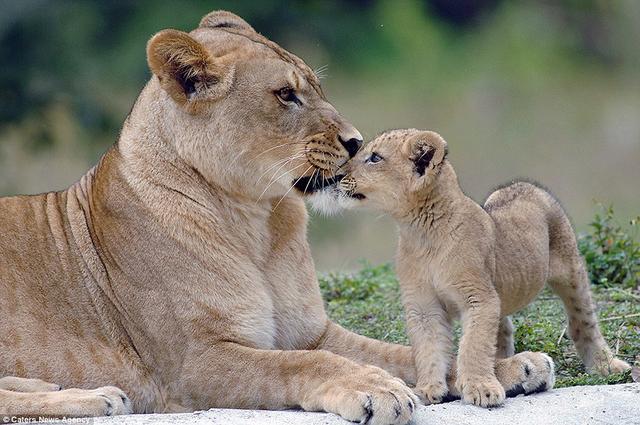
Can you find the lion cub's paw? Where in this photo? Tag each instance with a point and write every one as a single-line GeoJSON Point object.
{"type": "Point", "coordinates": [482, 391]}
{"type": "Point", "coordinates": [370, 396]}
{"type": "Point", "coordinates": [432, 393]}
{"type": "Point", "coordinates": [611, 366]}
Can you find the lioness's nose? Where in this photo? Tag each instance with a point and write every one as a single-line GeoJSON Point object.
{"type": "Point", "coordinates": [352, 145]}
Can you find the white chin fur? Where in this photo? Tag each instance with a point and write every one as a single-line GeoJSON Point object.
{"type": "Point", "coordinates": [330, 201]}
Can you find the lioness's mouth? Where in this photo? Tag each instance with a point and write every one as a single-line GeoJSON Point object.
{"type": "Point", "coordinates": [315, 182]}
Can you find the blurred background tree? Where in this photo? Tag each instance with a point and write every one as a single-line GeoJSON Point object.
{"type": "Point", "coordinates": [547, 89]}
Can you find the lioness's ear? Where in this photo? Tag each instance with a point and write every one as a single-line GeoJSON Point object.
{"type": "Point", "coordinates": [224, 19]}
{"type": "Point", "coordinates": [185, 69]}
{"type": "Point", "coordinates": [426, 150]}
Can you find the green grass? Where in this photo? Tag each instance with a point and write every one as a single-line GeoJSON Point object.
{"type": "Point", "coordinates": [368, 302]}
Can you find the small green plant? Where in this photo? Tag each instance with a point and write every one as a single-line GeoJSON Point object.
{"type": "Point", "coordinates": [611, 253]}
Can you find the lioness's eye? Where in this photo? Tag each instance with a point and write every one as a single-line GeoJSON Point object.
{"type": "Point", "coordinates": [288, 95]}
{"type": "Point", "coordinates": [374, 158]}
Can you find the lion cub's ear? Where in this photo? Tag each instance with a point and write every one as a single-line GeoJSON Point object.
{"type": "Point", "coordinates": [426, 150]}
{"type": "Point", "coordinates": [186, 70]}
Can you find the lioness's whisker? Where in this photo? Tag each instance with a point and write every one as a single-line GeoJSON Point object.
{"type": "Point", "coordinates": [270, 149]}
{"type": "Point", "coordinates": [321, 71]}
{"type": "Point", "coordinates": [280, 163]}
{"type": "Point", "coordinates": [278, 178]}
{"type": "Point", "coordinates": [275, 173]}
{"type": "Point", "coordinates": [292, 186]}
{"type": "Point", "coordinates": [306, 186]}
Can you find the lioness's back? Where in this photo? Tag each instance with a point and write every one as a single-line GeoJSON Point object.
{"type": "Point", "coordinates": [30, 226]}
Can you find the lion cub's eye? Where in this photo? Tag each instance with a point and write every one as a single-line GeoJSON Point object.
{"type": "Point", "coordinates": [288, 95]}
{"type": "Point", "coordinates": [374, 158]}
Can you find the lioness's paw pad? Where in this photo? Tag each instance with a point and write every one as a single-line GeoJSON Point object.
{"type": "Point", "coordinates": [371, 397]}
{"type": "Point", "coordinates": [484, 392]}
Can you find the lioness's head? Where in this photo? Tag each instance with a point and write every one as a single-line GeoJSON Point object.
{"type": "Point", "coordinates": [392, 170]}
{"type": "Point", "coordinates": [245, 113]}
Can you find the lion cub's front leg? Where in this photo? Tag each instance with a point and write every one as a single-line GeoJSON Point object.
{"type": "Point", "coordinates": [431, 338]}
{"type": "Point", "coordinates": [476, 380]}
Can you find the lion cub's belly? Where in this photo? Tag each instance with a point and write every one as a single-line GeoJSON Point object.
{"type": "Point", "coordinates": [520, 276]}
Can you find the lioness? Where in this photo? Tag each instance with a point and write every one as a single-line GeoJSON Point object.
{"type": "Point", "coordinates": [456, 258]}
{"type": "Point", "coordinates": [178, 268]}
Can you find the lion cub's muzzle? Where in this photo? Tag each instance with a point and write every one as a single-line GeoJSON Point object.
{"type": "Point", "coordinates": [348, 186]}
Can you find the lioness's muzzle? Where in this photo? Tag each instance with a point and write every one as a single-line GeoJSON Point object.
{"type": "Point", "coordinates": [315, 182]}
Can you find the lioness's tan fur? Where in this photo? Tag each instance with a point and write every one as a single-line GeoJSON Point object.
{"type": "Point", "coordinates": [458, 259]}
{"type": "Point", "coordinates": [178, 268]}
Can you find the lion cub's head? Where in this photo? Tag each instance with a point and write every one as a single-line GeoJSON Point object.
{"type": "Point", "coordinates": [242, 111]}
{"type": "Point", "coordinates": [393, 169]}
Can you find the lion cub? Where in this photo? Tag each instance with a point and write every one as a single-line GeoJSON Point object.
{"type": "Point", "coordinates": [458, 259]}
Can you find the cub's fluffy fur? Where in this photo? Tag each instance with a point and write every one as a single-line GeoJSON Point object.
{"type": "Point", "coordinates": [458, 259]}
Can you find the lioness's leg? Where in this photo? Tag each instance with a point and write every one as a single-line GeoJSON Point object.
{"type": "Point", "coordinates": [505, 347]}
{"type": "Point", "coordinates": [394, 358]}
{"type": "Point", "coordinates": [523, 373]}
{"type": "Point", "coordinates": [236, 376]}
{"type": "Point", "coordinates": [27, 385]}
{"type": "Point", "coordinates": [105, 401]}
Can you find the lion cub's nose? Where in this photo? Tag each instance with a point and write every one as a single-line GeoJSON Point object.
{"type": "Point", "coordinates": [352, 145]}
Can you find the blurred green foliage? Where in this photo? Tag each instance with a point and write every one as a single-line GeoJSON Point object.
{"type": "Point", "coordinates": [612, 253]}
{"type": "Point", "coordinates": [91, 53]}
{"type": "Point", "coordinates": [547, 89]}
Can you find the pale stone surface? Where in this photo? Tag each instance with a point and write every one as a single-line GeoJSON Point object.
{"type": "Point", "coordinates": [613, 404]}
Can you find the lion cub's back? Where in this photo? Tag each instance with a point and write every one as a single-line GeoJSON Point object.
{"type": "Point", "coordinates": [520, 212]}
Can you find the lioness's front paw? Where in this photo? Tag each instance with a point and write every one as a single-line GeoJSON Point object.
{"type": "Point", "coordinates": [432, 393]}
{"type": "Point", "coordinates": [481, 391]}
{"type": "Point", "coordinates": [103, 401]}
{"type": "Point", "coordinates": [27, 385]}
{"type": "Point", "coordinates": [367, 396]}
{"type": "Point", "coordinates": [526, 373]}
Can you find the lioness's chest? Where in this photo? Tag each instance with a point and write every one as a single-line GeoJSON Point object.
{"type": "Point", "coordinates": [290, 278]}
